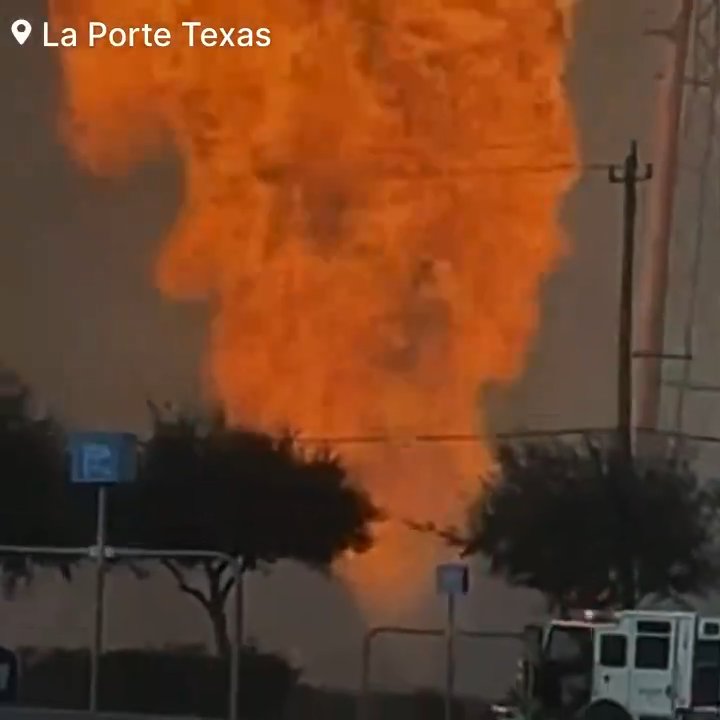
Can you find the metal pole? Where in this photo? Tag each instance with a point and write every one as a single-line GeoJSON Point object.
{"type": "Point", "coordinates": [236, 644]}
{"type": "Point", "coordinates": [709, 76]}
{"type": "Point", "coordinates": [49, 550]}
{"type": "Point", "coordinates": [364, 705]}
{"type": "Point", "coordinates": [239, 603]}
{"type": "Point", "coordinates": [99, 597]}
{"type": "Point", "coordinates": [658, 252]}
{"type": "Point", "coordinates": [364, 712]}
{"type": "Point", "coordinates": [450, 657]}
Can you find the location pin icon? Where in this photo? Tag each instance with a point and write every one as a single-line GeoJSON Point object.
{"type": "Point", "coordinates": [21, 29]}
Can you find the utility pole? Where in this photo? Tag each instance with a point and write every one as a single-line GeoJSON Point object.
{"type": "Point", "coordinates": [662, 208]}
{"type": "Point", "coordinates": [628, 174]}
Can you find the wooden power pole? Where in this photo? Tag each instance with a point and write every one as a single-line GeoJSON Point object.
{"type": "Point", "coordinates": [629, 175]}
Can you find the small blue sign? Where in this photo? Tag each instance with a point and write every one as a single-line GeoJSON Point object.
{"type": "Point", "coordinates": [103, 458]}
{"type": "Point", "coordinates": [452, 579]}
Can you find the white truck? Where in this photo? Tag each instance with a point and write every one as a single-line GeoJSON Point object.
{"type": "Point", "coordinates": [630, 665]}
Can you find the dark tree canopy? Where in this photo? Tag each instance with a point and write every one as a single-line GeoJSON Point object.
{"type": "Point", "coordinates": [242, 493]}
{"type": "Point", "coordinates": [565, 520]}
{"type": "Point", "coordinates": [34, 507]}
{"type": "Point", "coordinates": [215, 488]}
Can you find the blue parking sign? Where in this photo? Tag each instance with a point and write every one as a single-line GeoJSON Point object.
{"type": "Point", "coordinates": [103, 458]}
{"type": "Point", "coordinates": [452, 579]}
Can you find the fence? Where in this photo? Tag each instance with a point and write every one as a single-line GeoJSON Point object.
{"type": "Point", "coordinates": [500, 663]}
{"type": "Point", "coordinates": [144, 612]}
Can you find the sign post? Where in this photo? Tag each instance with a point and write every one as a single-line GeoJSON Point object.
{"type": "Point", "coordinates": [9, 674]}
{"type": "Point", "coordinates": [452, 579]}
{"type": "Point", "coordinates": [101, 459]}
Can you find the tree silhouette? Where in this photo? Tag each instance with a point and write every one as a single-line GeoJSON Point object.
{"type": "Point", "coordinates": [216, 488]}
{"type": "Point", "coordinates": [566, 520]}
{"type": "Point", "coordinates": [34, 507]}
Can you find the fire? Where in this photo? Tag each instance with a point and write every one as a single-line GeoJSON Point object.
{"type": "Point", "coordinates": [370, 206]}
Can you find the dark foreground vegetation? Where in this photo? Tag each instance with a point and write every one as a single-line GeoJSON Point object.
{"type": "Point", "coordinates": [157, 682]}
{"type": "Point", "coordinates": [188, 683]}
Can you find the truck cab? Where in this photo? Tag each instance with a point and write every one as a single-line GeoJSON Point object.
{"type": "Point", "coordinates": [630, 665]}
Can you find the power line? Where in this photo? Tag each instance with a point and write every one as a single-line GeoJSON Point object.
{"type": "Point", "coordinates": [459, 438]}
{"type": "Point", "coordinates": [413, 170]}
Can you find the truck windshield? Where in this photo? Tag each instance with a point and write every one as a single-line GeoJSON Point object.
{"type": "Point", "coordinates": [570, 645]}
{"type": "Point", "coordinates": [566, 669]}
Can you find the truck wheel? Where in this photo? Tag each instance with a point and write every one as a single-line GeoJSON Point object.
{"type": "Point", "coordinates": [605, 710]}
